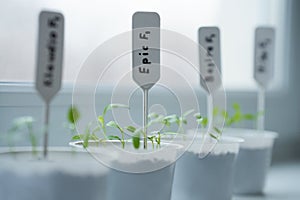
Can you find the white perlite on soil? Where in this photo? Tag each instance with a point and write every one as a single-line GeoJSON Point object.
{"type": "Point", "coordinates": [64, 175]}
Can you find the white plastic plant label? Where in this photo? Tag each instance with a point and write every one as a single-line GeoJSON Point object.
{"type": "Point", "coordinates": [50, 54]}
{"type": "Point", "coordinates": [210, 58]}
{"type": "Point", "coordinates": [264, 55]}
{"type": "Point", "coordinates": [146, 48]}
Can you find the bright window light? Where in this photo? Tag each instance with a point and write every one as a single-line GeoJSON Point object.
{"type": "Point", "coordinates": [91, 22]}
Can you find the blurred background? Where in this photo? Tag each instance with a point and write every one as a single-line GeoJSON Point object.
{"type": "Point", "coordinates": [89, 23]}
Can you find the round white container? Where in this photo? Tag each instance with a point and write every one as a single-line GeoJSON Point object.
{"type": "Point", "coordinates": [136, 173]}
{"type": "Point", "coordinates": [66, 174]}
{"type": "Point", "coordinates": [253, 161]}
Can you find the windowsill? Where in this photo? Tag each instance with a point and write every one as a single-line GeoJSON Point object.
{"type": "Point", "coordinates": [28, 87]}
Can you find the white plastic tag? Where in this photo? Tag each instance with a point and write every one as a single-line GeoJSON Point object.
{"type": "Point", "coordinates": [210, 58]}
{"type": "Point", "coordinates": [264, 55]}
{"type": "Point", "coordinates": [146, 48]}
{"type": "Point", "coordinates": [50, 54]}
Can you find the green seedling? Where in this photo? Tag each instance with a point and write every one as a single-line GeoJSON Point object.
{"type": "Point", "coordinates": [73, 116]}
{"type": "Point", "coordinates": [114, 124]}
{"type": "Point", "coordinates": [100, 127]}
{"type": "Point", "coordinates": [18, 125]}
{"type": "Point", "coordinates": [153, 118]}
{"type": "Point", "coordinates": [237, 117]}
{"type": "Point", "coordinates": [101, 118]}
{"type": "Point", "coordinates": [203, 121]}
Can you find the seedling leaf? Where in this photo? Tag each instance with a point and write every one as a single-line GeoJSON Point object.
{"type": "Point", "coordinates": [77, 137]}
{"type": "Point", "coordinates": [153, 115]}
{"type": "Point", "coordinates": [101, 120]}
{"type": "Point", "coordinates": [114, 137]}
{"type": "Point", "coordinates": [185, 114]}
{"type": "Point", "coordinates": [111, 106]}
{"type": "Point", "coordinates": [114, 124]}
{"type": "Point", "coordinates": [249, 117]}
{"type": "Point", "coordinates": [131, 129]}
{"type": "Point", "coordinates": [204, 122]}
{"type": "Point", "coordinates": [236, 107]}
{"type": "Point", "coordinates": [73, 114]}
{"type": "Point", "coordinates": [213, 136]}
{"type": "Point", "coordinates": [215, 111]}
{"type": "Point", "coordinates": [218, 130]}
{"type": "Point", "coordinates": [136, 141]}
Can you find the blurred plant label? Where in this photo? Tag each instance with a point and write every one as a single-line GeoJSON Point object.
{"type": "Point", "coordinates": [264, 55]}
{"type": "Point", "coordinates": [146, 48]}
{"type": "Point", "coordinates": [50, 54]}
{"type": "Point", "coordinates": [210, 58]}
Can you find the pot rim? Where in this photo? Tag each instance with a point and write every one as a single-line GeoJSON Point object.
{"type": "Point", "coordinates": [23, 149]}
{"type": "Point", "coordinates": [251, 133]}
{"type": "Point", "coordinates": [224, 139]}
{"type": "Point", "coordinates": [78, 144]}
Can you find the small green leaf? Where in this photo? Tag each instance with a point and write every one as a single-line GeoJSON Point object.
{"type": "Point", "coordinates": [204, 122]}
{"type": "Point", "coordinates": [215, 111]}
{"type": "Point", "coordinates": [136, 141]}
{"type": "Point", "coordinates": [237, 117]}
{"type": "Point", "coordinates": [151, 137]}
{"type": "Point", "coordinates": [213, 136]}
{"type": "Point", "coordinates": [199, 121]}
{"type": "Point", "coordinates": [158, 139]}
{"type": "Point", "coordinates": [114, 124]}
{"type": "Point", "coordinates": [114, 137]}
{"type": "Point", "coordinates": [166, 122]}
{"type": "Point", "coordinates": [153, 115]}
{"type": "Point", "coordinates": [185, 114]}
{"type": "Point", "coordinates": [236, 107]}
{"type": "Point", "coordinates": [184, 121]}
{"type": "Point", "coordinates": [198, 116]}
{"type": "Point", "coordinates": [229, 121]}
{"type": "Point", "coordinates": [73, 114]}
{"type": "Point", "coordinates": [218, 130]}
{"type": "Point", "coordinates": [131, 129]}
{"type": "Point", "coordinates": [171, 118]}
{"type": "Point", "coordinates": [77, 137]}
{"type": "Point", "coordinates": [101, 120]}
{"type": "Point", "coordinates": [249, 117]}
{"type": "Point", "coordinates": [111, 106]}
{"type": "Point", "coordinates": [86, 141]}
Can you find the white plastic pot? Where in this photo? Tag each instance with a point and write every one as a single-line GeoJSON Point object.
{"type": "Point", "coordinates": [209, 178]}
{"type": "Point", "coordinates": [137, 173]}
{"type": "Point", "coordinates": [64, 175]}
{"type": "Point", "coordinates": [253, 160]}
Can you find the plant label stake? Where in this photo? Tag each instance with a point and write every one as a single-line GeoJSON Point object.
{"type": "Point", "coordinates": [210, 67]}
{"type": "Point", "coordinates": [263, 65]}
{"type": "Point", "coordinates": [146, 56]}
{"type": "Point", "coordinates": [210, 63]}
{"type": "Point", "coordinates": [49, 61]}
